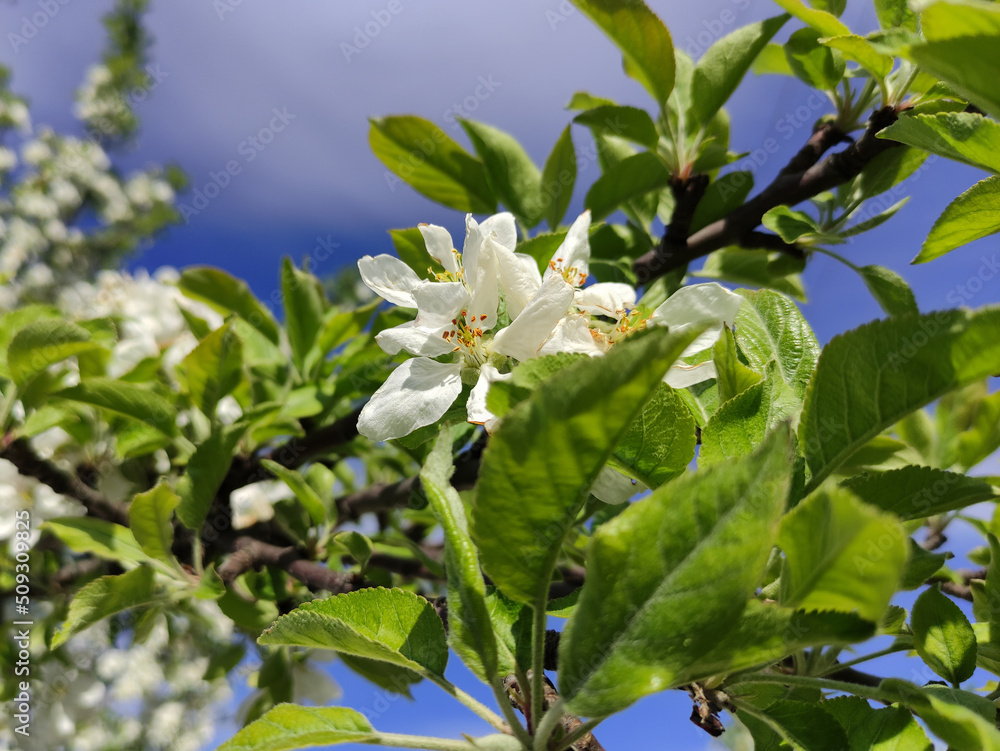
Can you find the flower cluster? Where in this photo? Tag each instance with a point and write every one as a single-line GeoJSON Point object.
{"type": "Point", "coordinates": [491, 308]}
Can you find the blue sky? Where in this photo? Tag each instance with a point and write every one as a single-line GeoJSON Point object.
{"type": "Point", "coordinates": [226, 68]}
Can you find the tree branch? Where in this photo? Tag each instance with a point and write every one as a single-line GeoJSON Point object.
{"type": "Point", "coordinates": [293, 453]}
{"type": "Point", "coordinates": [794, 184]}
{"type": "Point", "coordinates": [550, 696]}
{"type": "Point", "coordinates": [248, 553]}
{"type": "Point", "coordinates": [19, 453]}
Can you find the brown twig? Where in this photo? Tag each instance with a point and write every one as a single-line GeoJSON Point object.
{"type": "Point", "coordinates": [569, 722]}
{"type": "Point", "coordinates": [248, 553]}
{"type": "Point", "coordinates": [19, 453]}
{"type": "Point", "coordinates": [796, 183]}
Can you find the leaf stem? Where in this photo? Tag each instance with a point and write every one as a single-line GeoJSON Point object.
{"type": "Point", "coordinates": [537, 663]}
{"type": "Point", "coordinates": [469, 701]}
{"type": "Point", "coordinates": [864, 658]}
{"type": "Point", "coordinates": [508, 711]}
{"type": "Point", "coordinates": [548, 725]}
{"type": "Point", "coordinates": [581, 730]}
{"type": "Point", "coordinates": [419, 741]}
{"type": "Point", "coordinates": [6, 405]}
{"type": "Point", "coordinates": [824, 684]}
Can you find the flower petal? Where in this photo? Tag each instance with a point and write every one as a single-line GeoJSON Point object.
{"type": "Point", "coordinates": [486, 293]}
{"type": "Point", "coordinates": [526, 333]}
{"type": "Point", "coordinates": [519, 278]}
{"type": "Point", "coordinates": [417, 393]}
{"type": "Point", "coordinates": [416, 340]}
{"type": "Point", "coordinates": [606, 299]}
{"type": "Point", "coordinates": [574, 252]}
{"type": "Point", "coordinates": [439, 245]}
{"type": "Point", "coordinates": [611, 486]}
{"type": "Point", "coordinates": [477, 410]}
{"type": "Point", "coordinates": [389, 278]}
{"type": "Point", "coordinates": [439, 302]}
{"type": "Point", "coordinates": [679, 375]}
{"type": "Point", "coordinates": [571, 334]}
{"type": "Point", "coordinates": [697, 304]}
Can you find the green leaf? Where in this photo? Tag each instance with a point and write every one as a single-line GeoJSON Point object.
{"type": "Point", "coordinates": [205, 471]}
{"type": "Point", "coordinates": [125, 399]}
{"type": "Point", "coordinates": [550, 449]}
{"type": "Point", "coordinates": [583, 100]}
{"type": "Point", "coordinates": [643, 39]}
{"type": "Point", "coordinates": [801, 725]}
{"type": "Point", "coordinates": [918, 492]}
{"type": "Point", "coordinates": [660, 589]}
{"type": "Point", "coordinates": [743, 266]}
{"type": "Point", "coordinates": [382, 674]}
{"type": "Point", "coordinates": [660, 442]}
{"type": "Point", "coordinates": [17, 319]}
{"type": "Point", "coordinates": [631, 123]}
{"type": "Point", "coordinates": [105, 597]}
{"type": "Point", "coordinates": [889, 729]}
{"type": "Point", "coordinates": [943, 636]}
{"type": "Point", "coordinates": [732, 375]}
{"type": "Point", "coordinates": [513, 177]}
{"type": "Point", "coordinates": [304, 306]}
{"type": "Point", "coordinates": [768, 327]}
{"type": "Point", "coordinates": [969, 64]}
{"type": "Point", "coordinates": [963, 136]}
{"type": "Point", "coordinates": [825, 23]}
{"type": "Point", "coordinates": [722, 67]}
{"type": "Point", "coordinates": [861, 51]}
{"type": "Point", "coordinates": [340, 326]}
{"type": "Point", "coordinates": [210, 586]}
{"type": "Point", "coordinates": [304, 492]}
{"type": "Point", "coordinates": [84, 534]}
{"type": "Point", "coordinates": [290, 726]}
{"type": "Point", "coordinates": [43, 343]}
{"type": "Point", "coordinates": [886, 171]}
{"type": "Point", "coordinates": [974, 214]}
{"type": "Point", "coordinates": [226, 294]}
{"type": "Point", "coordinates": [960, 18]}
{"type": "Point", "coordinates": [895, 14]}
{"type": "Point", "coordinates": [503, 396]}
{"type": "Point", "coordinates": [412, 251]}
{"type": "Point", "coordinates": [772, 61]}
{"type": "Point", "coordinates": [558, 179]}
{"type": "Point", "coordinates": [358, 545]}
{"type": "Point", "coordinates": [841, 554]}
{"type": "Point", "coordinates": [991, 592]}
{"type": "Point", "coordinates": [722, 196]}
{"type": "Point", "coordinates": [390, 625]}
{"type": "Point", "coordinates": [811, 62]}
{"type": "Point", "coordinates": [469, 629]}
{"type": "Point", "coordinates": [542, 246]}
{"type": "Point", "coordinates": [869, 378]}
{"type": "Point", "coordinates": [149, 516]}
{"type": "Point", "coordinates": [873, 221]}
{"type": "Point", "coordinates": [741, 423]}
{"type": "Point", "coordinates": [431, 163]}
{"type": "Point", "coordinates": [511, 622]}
{"type": "Point", "coordinates": [963, 725]}
{"type": "Point", "coordinates": [629, 179]}
{"type": "Point", "coordinates": [889, 289]}
{"type": "Point", "coordinates": [981, 435]}
{"type": "Point", "coordinates": [767, 633]}
{"type": "Point", "coordinates": [796, 226]}
{"type": "Point", "coordinates": [214, 368]}
{"type": "Point", "coordinates": [921, 565]}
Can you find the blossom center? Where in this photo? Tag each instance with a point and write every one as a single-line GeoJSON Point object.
{"type": "Point", "coordinates": [571, 274]}
{"type": "Point", "coordinates": [467, 337]}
